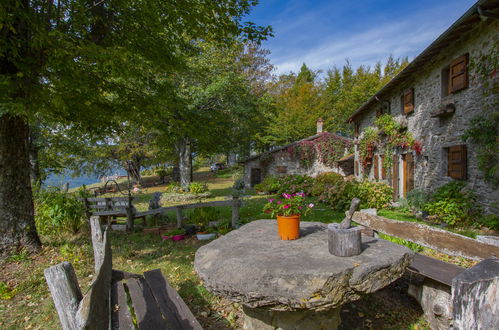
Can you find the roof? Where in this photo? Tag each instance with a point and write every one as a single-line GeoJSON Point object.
{"type": "Point", "coordinates": [347, 157]}
{"type": "Point", "coordinates": [310, 138]}
{"type": "Point", "coordinates": [453, 33]}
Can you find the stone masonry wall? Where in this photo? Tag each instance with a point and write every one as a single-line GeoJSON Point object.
{"type": "Point", "coordinates": [437, 134]}
{"type": "Point", "coordinates": [293, 166]}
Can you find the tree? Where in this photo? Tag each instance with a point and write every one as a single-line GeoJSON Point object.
{"type": "Point", "coordinates": [90, 64]}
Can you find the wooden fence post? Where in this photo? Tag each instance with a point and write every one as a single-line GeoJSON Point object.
{"type": "Point", "coordinates": [66, 293]}
{"type": "Point", "coordinates": [178, 211]}
{"type": "Point", "coordinates": [475, 296]}
{"type": "Point", "coordinates": [236, 204]}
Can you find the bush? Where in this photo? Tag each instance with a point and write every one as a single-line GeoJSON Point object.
{"type": "Point", "coordinates": [203, 215]}
{"type": "Point", "coordinates": [452, 204]}
{"type": "Point", "coordinates": [373, 194]}
{"type": "Point", "coordinates": [57, 212]}
{"type": "Point", "coordinates": [323, 181]}
{"type": "Point", "coordinates": [416, 199]}
{"type": "Point", "coordinates": [270, 184]}
{"type": "Point", "coordinates": [292, 184]}
{"type": "Point", "coordinates": [340, 194]}
{"type": "Point", "coordinates": [174, 188]}
{"type": "Point", "coordinates": [490, 221]}
{"type": "Point", "coordinates": [197, 188]}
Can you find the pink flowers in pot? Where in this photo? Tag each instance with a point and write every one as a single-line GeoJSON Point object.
{"type": "Point", "coordinates": [288, 205]}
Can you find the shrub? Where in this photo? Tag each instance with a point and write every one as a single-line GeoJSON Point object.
{"type": "Point", "coordinates": [174, 187]}
{"type": "Point", "coordinates": [490, 221]}
{"type": "Point", "coordinates": [323, 181]}
{"type": "Point", "coordinates": [374, 194]}
{"type": "Point", "coordinates": [452, 204]}
{"type": "Point", "coordinates": [416, 199]}
{"type": "Point", "coordinates": [203, 215]}
{"type": "Point", "coordinates": [57, 212]}
{"type": "Point", "coordinates": [270, 184]}
{"type": "Point", "coordinates": [197, 188]}
{"type": "Point", "coordinates": [340, 195]}
{"type": "Point", "coordinates": [293, 184]}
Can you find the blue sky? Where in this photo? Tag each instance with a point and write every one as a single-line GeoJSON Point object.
{"type": "Point", "coordinates": [325, 33]}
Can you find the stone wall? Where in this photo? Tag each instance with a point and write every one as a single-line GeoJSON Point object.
{"type": "Point", "coordinates": [281, 160]}
{"type": "Point", "coordinates": [436, 133]}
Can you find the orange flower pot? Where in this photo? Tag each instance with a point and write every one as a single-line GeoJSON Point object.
{"type": "Point", "coordinates": [288, 228]}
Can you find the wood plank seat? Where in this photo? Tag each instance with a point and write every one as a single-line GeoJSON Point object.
{"type": "Point", "coordinates": [154, 303]}
{"type": "Point", "coordinates": [440, 271]}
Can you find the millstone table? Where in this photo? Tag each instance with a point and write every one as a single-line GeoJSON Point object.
{"type": "Point", "coordinates": [294, 284]}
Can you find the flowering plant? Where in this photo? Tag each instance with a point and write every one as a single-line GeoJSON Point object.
{"type": "Point", "coordinates": [288, 205]}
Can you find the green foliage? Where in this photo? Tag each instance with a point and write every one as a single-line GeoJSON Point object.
{"type": "Point", "coordinates": [270, 184]}
{"type": "Point", "coordinates": [338, 195]}
{"type": "Point", "coordinates": [452, 204]}
{"type": "Point", "coordinates": [328, 148]}
{"type": "Point", "coordinates": [174, 232]}
{"type": "Point", "coordinates": [374, 194]}
{"type": "Point", "coordinates": [413, 246]}
{"type": "Point", "coordinates": [203, 215]}
{"type": "Point", "coordinates": [197, 188]}
{"type": "Point", "coordinates": [490, 221]}
{"type": "Point", "coordinates": [416, 199]}
{"type": "Point", "coordinates": [5, 292]}
{"type": "Point", "coordinates": [174, 187]}
{"type": "Point", "coordinates": [294, 183]}
{"type": "Point", "coordinates": [483, 132]}
{"type": "Point", "coordinates": [323, 181]}
{"type": "Point", "coordinates": [288, 205]}
{"type": "Point", "coordinates": [57, 212]}
{"type": "Point", "coordinates": [20, 256]}
{"type": "Point", "coordinates": [367, 144]}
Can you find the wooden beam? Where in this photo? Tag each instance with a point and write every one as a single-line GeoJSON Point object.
{"type": "Point", "coordinates": [433, 238]}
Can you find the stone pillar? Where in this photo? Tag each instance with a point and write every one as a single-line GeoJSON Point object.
{"type": "Point", "coordinates": [475, 296]}
{"type": "Point", "coordinates": [305, 319]}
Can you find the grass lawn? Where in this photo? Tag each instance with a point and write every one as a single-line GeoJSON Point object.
{"type": "Point", "coordinates": [25, 302]}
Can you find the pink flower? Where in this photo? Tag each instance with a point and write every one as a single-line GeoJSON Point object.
{"type": "Point", "coordinates": [311, 205]}
{"type": "Point", "coordinates": [271, 200]}
{"type": "Point", "coordinates": [279, 202]}
{"type": "Point", "coordinates": [300, 207]}
{"type": "Point", "coordinates": [287, 196]}
{"type": "Point", "coordinates": [286, 206]}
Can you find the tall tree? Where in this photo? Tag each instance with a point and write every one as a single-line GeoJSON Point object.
{"type": "Point", "coordinates": [90, 64]}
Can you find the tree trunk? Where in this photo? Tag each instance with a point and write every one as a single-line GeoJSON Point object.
{"type": "Point", "coordinates": [185, 163]}
{"type": "Point", "coordinates": [17, 222]}
{"type": "Point", "coordinates": [176, 172]}
{"type": "Point", "coordinates": [133, 169]}
{"type": "Point", "coordinates": [231, 159]}
{"type": "Point", "coordinates": [33, 154]}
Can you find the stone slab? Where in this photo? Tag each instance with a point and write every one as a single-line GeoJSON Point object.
{"type": "Point", "coordinates": [253, 266]}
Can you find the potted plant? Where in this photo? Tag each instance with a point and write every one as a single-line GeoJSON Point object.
{"type": "Point", "coordinates": [288, 210]}
{"type": "Point", "coordinates": [176, 234]}
{"type": "Point", "coordinates": [202, 217]}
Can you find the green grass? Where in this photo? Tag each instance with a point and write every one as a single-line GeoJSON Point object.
{"type": "Point", "coordinates": [398, 214]}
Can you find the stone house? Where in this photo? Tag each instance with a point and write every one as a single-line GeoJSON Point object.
{"type": "Point", "coordinates": [287, 160]}
{"type": "Point", "coordinates": [435, 97]}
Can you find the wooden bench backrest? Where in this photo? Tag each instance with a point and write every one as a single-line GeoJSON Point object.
{"type": "Point", "coordinates": [96, 204]}
{"type": "Point", "coordinates": [91, 311]}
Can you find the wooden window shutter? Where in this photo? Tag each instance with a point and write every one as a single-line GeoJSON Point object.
{"type": "Point", "coordinates": [408, 100]}
{"type": "Point", "coordinates": [383, 169]}
{"type": "Point", "coordinates": [458, 74]}
{"type": "Point", "coordinates": [457, 162]}
{"type": "Point", "coordinates": [409, 179]}
{"type": "Point", "coordinates": [376, 167]}
{"type": "Point", "coordinates": [395, 177]}
{"type": "Point", "coordinates": [356, 168]}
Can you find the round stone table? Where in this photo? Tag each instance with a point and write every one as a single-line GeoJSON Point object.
{"type": "Point", "coordinates": [294, 284]}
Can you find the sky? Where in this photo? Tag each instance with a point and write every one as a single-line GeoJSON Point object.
{"type": "Point", "coordinates": [324, 33]}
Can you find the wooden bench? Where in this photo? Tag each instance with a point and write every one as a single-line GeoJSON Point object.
{"type": "Point", "coordinates": [154, 303]}
{"type": "Point", "coordinates": [433, 282]}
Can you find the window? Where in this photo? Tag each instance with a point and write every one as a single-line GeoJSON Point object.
{"type": "Point", "coordinates": [455, 76]}
{"type": "Point", "coordinates": [383, 168]}
{"type": "Point", "coordinates": [282, 169]}
{"type": "Point", "coordinates": [408, 101]}
{"type": "Point", "coordinates": [457, 162]}
{"type": "Point", "coordinates": [384, 107]}
{"type": "Point", "coordinates": [356, 168]}
{"type": "Point", "coordinates": [458, 74]}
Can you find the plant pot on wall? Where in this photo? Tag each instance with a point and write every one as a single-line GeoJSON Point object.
{"type": "Point", "coordinates": [288, 228]}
